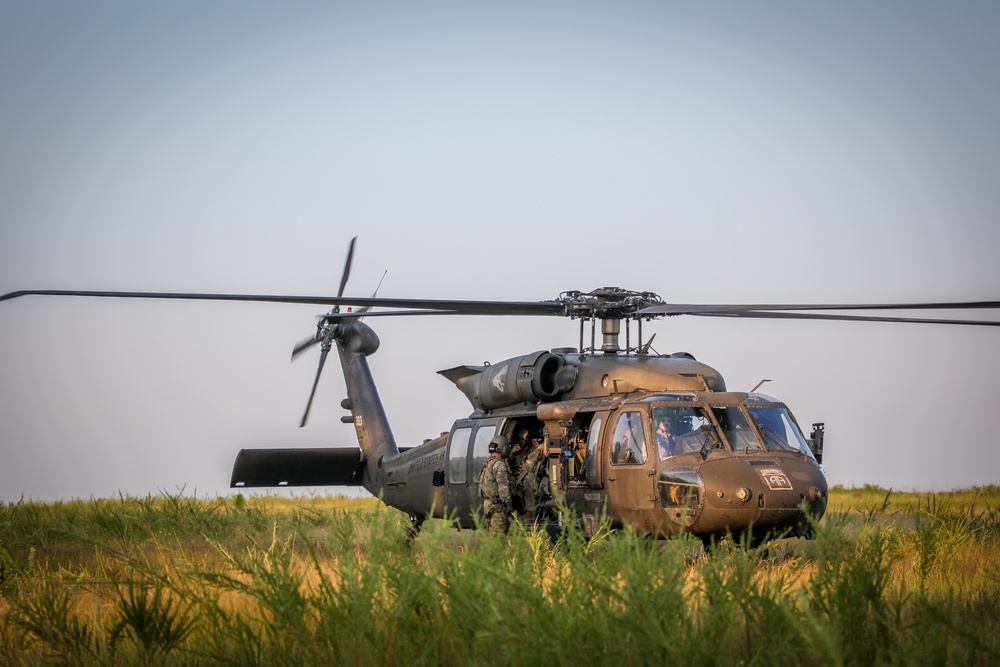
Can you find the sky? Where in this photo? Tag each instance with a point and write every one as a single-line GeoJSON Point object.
{"type": "Point", "coordinates": [719, 152]}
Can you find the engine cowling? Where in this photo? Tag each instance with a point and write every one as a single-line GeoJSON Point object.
{"type": "Point", "coordinates": [533, 378]}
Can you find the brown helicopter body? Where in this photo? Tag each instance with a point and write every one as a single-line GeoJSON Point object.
{"type": "Point", "coordinates": [584, 397]}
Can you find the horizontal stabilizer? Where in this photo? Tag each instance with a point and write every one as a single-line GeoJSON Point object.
{"type": "Point", "coordinates": [298, 467]}
{"type": "Point", "coordinates": [458, 372]}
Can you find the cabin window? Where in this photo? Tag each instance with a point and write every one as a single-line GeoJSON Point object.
{"type": "Point", "coordinates": [458, 455]}
{"type": "Point", "coordinates": [481, 448]}
{"type": "Point", "coordinates": [779, 431]}
{"type": "Point", "coordinates": [680, 430]}
{"type": "Point", "coordinates": [593, 442]}
{"type": "Point", "coordinates": [629, 440]}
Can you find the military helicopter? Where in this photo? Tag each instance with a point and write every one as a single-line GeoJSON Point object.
{"type": "Point", "coordinates": [649, 440]}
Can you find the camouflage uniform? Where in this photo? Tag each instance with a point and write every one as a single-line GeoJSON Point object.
{"type": "Point", "coordinates": [531, 478]}
{"type": "Point", "coordinates": [518, 455]}
{"type": "Point", "coordinates": [516, 465]}
{"type": "Point", "coordinates": [494, 487]}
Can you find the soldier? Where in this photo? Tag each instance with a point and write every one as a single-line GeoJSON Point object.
{"type": "Point", "coordinates": [666, 442]}
{"type": "Point", "coordinates": [519, 451]}
{"type": "Point", "coordinates": [533, 479]}
{"type": "Point", "coordinates": [494, 487]}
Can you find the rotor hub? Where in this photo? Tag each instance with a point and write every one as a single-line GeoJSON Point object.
{"type": "Point", "coordinates": [608, 303]}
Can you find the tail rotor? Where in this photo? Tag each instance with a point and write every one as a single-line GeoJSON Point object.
{"type": "Point", "coordinates": [326, 332]}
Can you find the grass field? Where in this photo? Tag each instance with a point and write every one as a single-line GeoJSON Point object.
{"type": "Point", "coordinates": [891, 578]}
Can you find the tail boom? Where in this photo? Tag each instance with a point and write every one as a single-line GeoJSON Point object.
{"type": "Point", "coordinates": [355, 341]}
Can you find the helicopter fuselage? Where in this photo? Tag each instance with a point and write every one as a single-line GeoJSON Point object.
{"type": "Point", "coordinates": [604, 460]}
{"type": "Point", "coordinates": [732, 462]}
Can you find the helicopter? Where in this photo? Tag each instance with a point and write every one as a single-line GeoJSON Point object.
{"type": "Point", "coordinates": [652, 441]}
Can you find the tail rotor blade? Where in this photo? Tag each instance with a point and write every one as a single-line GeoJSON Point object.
{"type": "Point", "coordinates": [347, 267]}
{"type": "Point", "coordinates": [312, 394]}
{"type": "Point", "coordinates": [365, 309]}
{"type": "Point", "coordinates": [304, 345]}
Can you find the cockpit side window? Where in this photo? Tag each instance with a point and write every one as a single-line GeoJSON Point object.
{"type": "Point", "coordinates": [681, 429]}
{"type": "Point", "coordinates": [629, 446]}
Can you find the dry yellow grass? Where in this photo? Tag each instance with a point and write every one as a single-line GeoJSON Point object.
{"type": "Point", "coordinates": [324, 575]}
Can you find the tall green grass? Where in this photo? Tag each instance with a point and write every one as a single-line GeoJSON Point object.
{"type": "Point", "coordinates": [889, 579]}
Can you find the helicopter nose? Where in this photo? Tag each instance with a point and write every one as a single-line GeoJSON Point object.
{"type": "Point", "coordinates": [767, 493]}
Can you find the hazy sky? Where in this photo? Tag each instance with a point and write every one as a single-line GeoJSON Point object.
{"type": "Point", "coordinates": [710, 152]}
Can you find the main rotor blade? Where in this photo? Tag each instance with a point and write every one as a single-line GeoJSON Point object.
{"type": "Point", "coordinates": [362, 313]}
{"type": "Point", "coordinates": [552, 307]}
{"type": "Point", "coordinates": [448, 306]}
{"type": "Point", "coordinates": [312, 394]}
{"type": "Point", "coordinates": [850, 318]}
{"type": "Point", "coordinates": [704, 309]}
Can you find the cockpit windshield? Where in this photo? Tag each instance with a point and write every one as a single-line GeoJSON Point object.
{"type": "Point", "coordinates": [750, 426]}
{"type": "Point", "coordinates": [736, 429]}
{"type": "Point", "coordinates": [779, 431]}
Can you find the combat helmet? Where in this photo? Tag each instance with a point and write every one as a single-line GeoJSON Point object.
{"type": "Point", "coordinates": [500, 443]}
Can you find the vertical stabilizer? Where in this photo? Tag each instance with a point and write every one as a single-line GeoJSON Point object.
{"type": "Point", "coordinates": [355, 341]}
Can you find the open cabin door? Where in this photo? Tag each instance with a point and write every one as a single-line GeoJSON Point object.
{"type": "Point", "coordinates": [585, 477]}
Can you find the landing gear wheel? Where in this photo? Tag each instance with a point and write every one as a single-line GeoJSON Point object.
{"type": "Point", "coordinates": [416, 522]}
